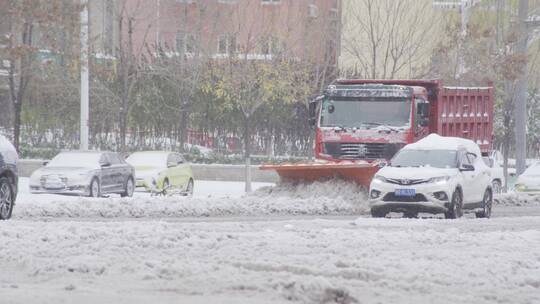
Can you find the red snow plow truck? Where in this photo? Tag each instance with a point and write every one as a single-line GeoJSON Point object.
{"type": "Point", "coordinates": [361, 124]}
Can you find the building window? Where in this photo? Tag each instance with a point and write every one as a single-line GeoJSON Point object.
{"type": "Point", "coordinates": [227, 44]}
{"type": "Point", "coordinates": [270, 46]}
{"type": "Point", "coordinates": [313, 11]}
{"type": "Point", "coordinates": [185, 43]}
{"type": "Point", "coordinates": [270, 1]}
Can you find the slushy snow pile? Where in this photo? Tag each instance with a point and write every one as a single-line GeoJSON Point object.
{"type": "Point", "coordinates": [331, 198]}
{"type": "Point", "coordinates": [514, 199]}
{"type": "Point", "coordinates": [305, 261]}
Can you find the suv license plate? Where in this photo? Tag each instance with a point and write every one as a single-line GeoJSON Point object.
{"type": "Point", "coordinates": [405, 192]}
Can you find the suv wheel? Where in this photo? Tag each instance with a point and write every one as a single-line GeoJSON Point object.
{"type": "Point", "coordinates": [455, 210]}
{"type": "Point", "coordinates": [6, 198]}
{"type": "Point", "coordinates": [487, 203]}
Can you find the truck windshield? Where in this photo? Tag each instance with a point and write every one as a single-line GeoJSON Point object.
{"type": "Point", "coordinates": [366, 113]}
{"type": "Point", "coordinates": [421, 158]}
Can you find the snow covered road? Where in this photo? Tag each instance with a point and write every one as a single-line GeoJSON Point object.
{"type": "Point", "coordinates": [277, 245]}
{"type": "Point", "coordinates": [309, 261]}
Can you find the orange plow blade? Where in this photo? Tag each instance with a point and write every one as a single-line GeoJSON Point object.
{"type": "Point", "coordinates": [361, 173]}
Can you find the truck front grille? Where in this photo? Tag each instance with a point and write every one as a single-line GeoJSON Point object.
{"type": "Point", "coordinates": [361, 151]}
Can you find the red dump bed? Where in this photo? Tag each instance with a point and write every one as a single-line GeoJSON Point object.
{"type": "Point", "coordinates": [466, 112]}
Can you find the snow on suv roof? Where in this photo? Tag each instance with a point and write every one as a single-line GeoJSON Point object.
{"type": "Point", "coordinates": [437, 142]}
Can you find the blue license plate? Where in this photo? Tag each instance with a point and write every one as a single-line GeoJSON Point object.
{"type": "Point", "coordinates": [405, 192]}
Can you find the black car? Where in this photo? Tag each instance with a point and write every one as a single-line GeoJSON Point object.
{"type": "Point", "coordinates": [88, 173]}
{"type": "Point", "coordinates": [8, 178]}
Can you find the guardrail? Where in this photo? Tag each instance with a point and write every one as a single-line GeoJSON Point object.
{"type": "Point", "coordinates": [200, 172]}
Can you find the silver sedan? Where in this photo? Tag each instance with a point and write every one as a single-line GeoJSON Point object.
{"type": "Point", "coordinates": [88, 173]}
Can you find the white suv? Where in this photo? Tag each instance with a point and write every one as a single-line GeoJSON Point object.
{"type": "Point", "coordinates": [434, 175]}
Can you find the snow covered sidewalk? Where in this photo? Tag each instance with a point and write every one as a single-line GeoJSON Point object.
{"type": "Point", "coordinates": [306, 261]}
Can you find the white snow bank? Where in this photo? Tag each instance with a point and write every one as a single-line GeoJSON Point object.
{"type": "Point", "coordinates": [515, 199]}
{"type": "Point", "coordinates": [330, 198]}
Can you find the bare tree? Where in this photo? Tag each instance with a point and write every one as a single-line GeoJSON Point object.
{"type": "Point", "coordinates": [386, 38]}
{"type": "Point", "coordinates": [25, 18]}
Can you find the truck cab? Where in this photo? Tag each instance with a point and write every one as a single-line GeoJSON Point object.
{"type": "Point", "coordinates": [368, 122]}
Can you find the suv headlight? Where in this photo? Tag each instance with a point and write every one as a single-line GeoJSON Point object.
{"type": "Point", "coordinates": [379, 179]}
{"type": "Point", "coordinates": [439, 180]}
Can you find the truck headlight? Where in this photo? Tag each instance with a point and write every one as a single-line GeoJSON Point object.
{"type": "Point", "coordinates": [440, 180]}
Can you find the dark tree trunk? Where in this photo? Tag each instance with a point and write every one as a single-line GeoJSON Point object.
{"type": "Point", "coordinates": [184, 117]}
{"type": "Point", "coordinates": [17, 125]}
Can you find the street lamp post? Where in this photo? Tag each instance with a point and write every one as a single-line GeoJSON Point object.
{"type": "Point", "coordinates": [84, 76]}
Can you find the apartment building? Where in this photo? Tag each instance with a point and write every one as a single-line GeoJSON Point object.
{"type": "Point", "coordinates": [252, 29]}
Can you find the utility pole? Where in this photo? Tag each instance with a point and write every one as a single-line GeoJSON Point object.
{"type": "Point", "coordinates": [521, 88]}
{"type": "Point", "coordinates": [84, 76]}
{"type": "Point", "coordinates": [464, 7]}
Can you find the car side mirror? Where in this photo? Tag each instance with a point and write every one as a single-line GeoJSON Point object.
{"type": "Point", "coordinates": [45, 163]}
{"type": "Point", "coordinates": [171, 164]}
{"type": "Point", "coordinates": [466, 167]}
{"type": "Point", "coordinates": [105, 164]}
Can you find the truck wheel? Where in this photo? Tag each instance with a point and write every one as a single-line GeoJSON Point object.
{"type": "Point", "coordinates": [6, 198]}
{"type": "Point", "coordinates": [378, 213]}
{"type": "Point", "coordinates": [455, 210]}
{"type": "Point", "coordinates": [487, 204]}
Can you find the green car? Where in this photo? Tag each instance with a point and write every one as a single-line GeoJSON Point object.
{"type": "Point", "coordinates": [161, 171]}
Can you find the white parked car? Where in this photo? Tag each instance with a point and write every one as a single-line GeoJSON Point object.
{"type": "Point", "coordinates": [494, 161]}
{"type": "Point", "coordinates": [434, 175]}
{"type": "Point", "coordinates": [529, 181]}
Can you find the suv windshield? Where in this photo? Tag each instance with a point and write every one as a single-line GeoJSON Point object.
{"type": "Point", "coordinates": [366, 112]}
{"type": "Point", "coordinates": [419, 158]}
